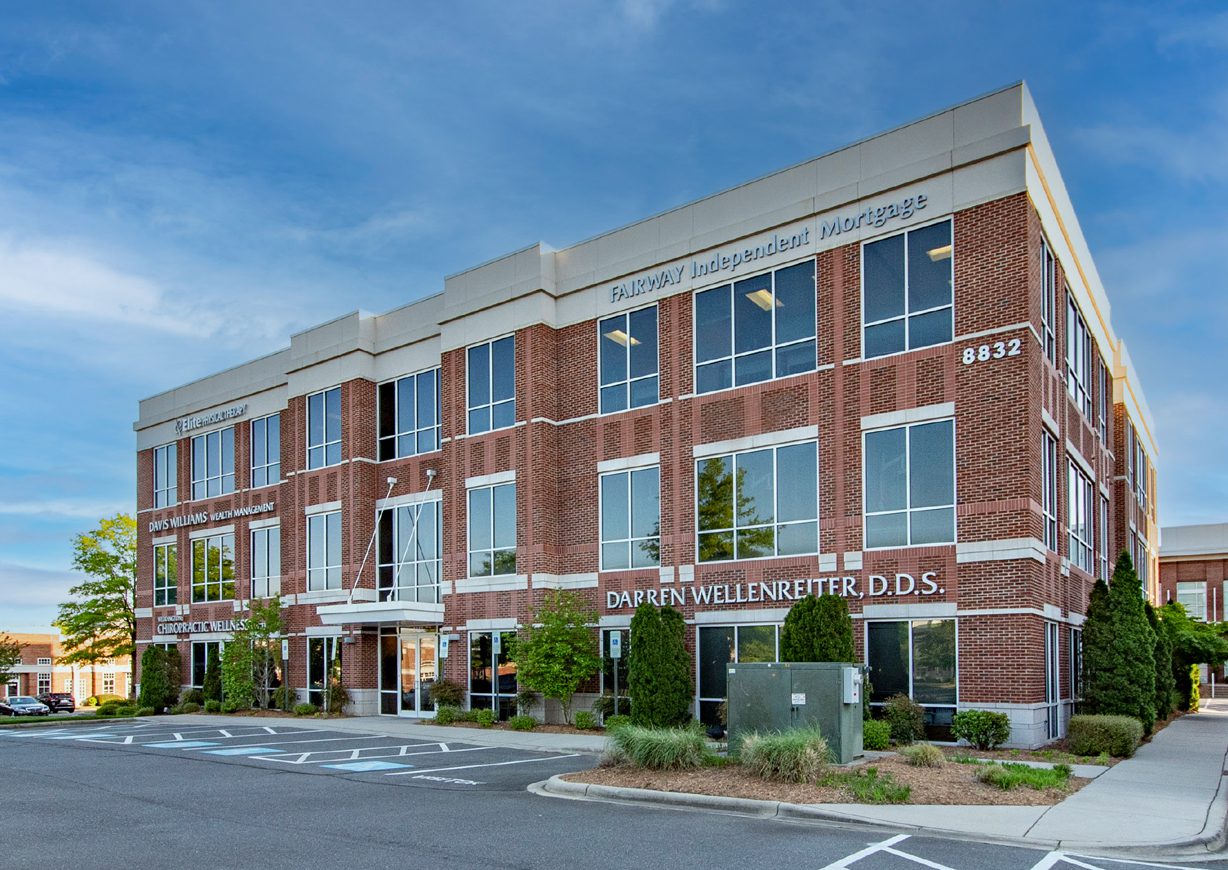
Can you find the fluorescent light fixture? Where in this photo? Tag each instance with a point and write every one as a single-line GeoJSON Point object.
{"type": "Point", "coordinates": [764, 299]}
{"type": "Point", "coordinates": [936, 254]}
{"type": "Point", "coordinates": [620, 337]}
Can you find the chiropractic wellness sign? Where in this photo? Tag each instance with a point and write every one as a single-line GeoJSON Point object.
{"type": "Point", "coordinates": [874, 586]}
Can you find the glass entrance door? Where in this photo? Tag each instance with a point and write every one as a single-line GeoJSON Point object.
{"type": "Point", "coordinates": [417, 674]}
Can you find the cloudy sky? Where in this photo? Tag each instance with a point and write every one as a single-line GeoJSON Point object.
{"type": "Point", "coordinates": [184, 184]}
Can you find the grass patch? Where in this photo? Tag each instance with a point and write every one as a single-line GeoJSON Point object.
{"type": "Point", "coordinates": [796, 755]}
{"type": "Point", "coordinates": [869, 786]}
{"type": "Point", "coordinates": [659, 748]}
{"type": "Point", "coordinates": [1008, 776]}
{"type": "Point", "coordinates": [923, 755]}
{"type": "Point", "coordinates": [64, 717]}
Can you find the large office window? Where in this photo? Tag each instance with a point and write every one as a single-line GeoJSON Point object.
{"type": "Point", "coordinates": [266, 450]}
{"type": "Point", "coordinates": [324, 428]}
{"type": "Point", "coordinates": [628, 360]}
{"type": "Point", "coordinates": [1103, 540]}
{"type": "Point", "coordinates": [910, 485]}
{"type": "Point", "coordinates": [166, 575]}
{"type": "Point", "coordinates": [492, 530]}
{"type": "Point", "coordinates": [916, 658]}
{"type": "Point", "coordinates": [631, 519]}
{"type": "Point", "coordinates": [1048, 301]}
{"type": "Point", "coordinates": [213, 568]}
{"type": "Point", "coordinates": [758, 503]}
{"type": "Point", "coordinates": [491, 386]}
{"type": "Point", "coordinates": [213, 463]}
{"type": "Point", "coordinates": [722, 645]}
{"type": "Point", "coordinates": [409, 415]}
{"type": "Point", "coordinates": [1048, 463]}
{"type": "Point", "coordinates": [492, 676]}
{"type": "Point", "coordinates": [410, 544]}
{"type": "Point", "coordinates": [1102, 390]}
{"type": "Point", "coordinates": [755, 329]}
{"type": "Point", "coordinates": [323, 666]}
{"type": "Point", "coordinates": [1142, 564]}
{"type": "Point", "coordinates": [1140, 474]}
{"type": "Point", "coordinates": [324, 551]}
{"type": "Point", "coordinates": [1078, 357]}
{"type": "Point", "coordinates": [1130, 457]}
{"type": "Point", "coordinates": [907, 290]}
{"type": "Point", "coordinates": [266, 562]}
{"type": "Point", "coordinates": [1193, 597]}
{"type": "Point", "coordinates": [1080, 499]}
{"type": "Point", "coordinates": [166, 475]}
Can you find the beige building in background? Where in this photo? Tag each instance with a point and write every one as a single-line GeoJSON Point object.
{"type": "Point", "coordinates": [41, 671]}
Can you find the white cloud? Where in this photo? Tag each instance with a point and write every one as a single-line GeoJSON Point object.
{"type": "Point", "coordinates": [34, 588]}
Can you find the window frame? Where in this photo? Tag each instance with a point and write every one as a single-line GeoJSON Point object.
{"type": "Point", "coordinates": [907, 314]}
{"type": "Point", "coordinates": [631, 540]}
{"type": "Point", "coordinates": [166, 574]}
{"type": "Point", "coordinates": [269, 463]}
{"type": "Point", "coordinates": [1103, 537]}
{"type": "Point", "coordinates": [222, 477]}
{"type": "Point", "coordinates": [394, 439]}
{"type": "Point", "coordinates": [1102, 407]}
{"type": "Point", "coordinates": [332, 650]}
{"type": "Point", "coordinates": [490, 403]}
{"type": "Point", "coordinates": [911, 621]}
{"type": "Point", "coordinates": [1079, 355]}
{"type": "Point", "coordinates": [506, 700]}
{"type": "Point", "coordinates": [166, 472]}
{"type": "Point", "coordinates": [323, 519]}
{"type": "Point", "coordinates": [1048, 300]}
{"type": "Point", "coordinates": [628, 379]}
{"type": "Point", "coordinates": [207, 583]}
{"type": "Point", "coordinates": [42, 683]}
{"type": "Point", "coordinates": [1080, 518]}
{"type": "Point", "coordinates": [700, 698]}
{"type": "Point", "coordinates": [327, 442]}
{"type": "Point", "coordinates": [470, 552]}
{"type": "Point", "coordinates": [395, 568]}
{"type": "Point", "coordinates": [908, 509]}
{"type": "Point", "coordinates": [1201, 593]}
{"type": "Point", "coordinates": [269, 582]}
{"type": "Point", "coordinates": [1049, 489]}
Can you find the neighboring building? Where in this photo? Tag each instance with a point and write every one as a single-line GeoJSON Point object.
{"type": "Point", "coordinates": [1193, 565]}
{"type": "Point", "coordinates": [887, 373]}
{"type": "Point", "coordinates": [42, 671]}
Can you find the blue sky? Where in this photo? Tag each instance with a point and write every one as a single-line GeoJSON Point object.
{"type": "Point", "coordinates": [183, 185]}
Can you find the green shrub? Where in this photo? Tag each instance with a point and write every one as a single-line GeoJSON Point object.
{"type": "Point", "coordinates": [869, 786]}
{"type": "Point", "coordinates": [1119, 667]}
{"type": "Point", "coordinates": [604, 706]}
{"type": "Point", "coordinates": [485, 717]}
{"type": "Point", "coordinates": [212, 706]}
{"type": "Point", "coordinates": [145, 711]}
{"type": "Point", "coordinates": [1119, 736]}
{"type": "Point", "coordinates": [111, 705]}
{"type": "Point", "coordinates": [905, 717]}
{"type": "Point", "coordinates": [523, 723]}
{"type": "Point", "coordinates": [981, 728]}
{"type": "Point", "coordinates": [613, 723]}
{"type": "Point", "coordinates": [585, 720]}
{"type": "Point", "coordinates": [446, 714]}
{"type": "Point", "coordinates": [229, 706]}
{"type": "Point", "coordinates": [796, 755]}
{"type": "Point", "coordinates": [1008, 775]}
{"type": "Point", "coordinates": [660, 748]}
{"type": "Point", "coordinates": [300, 709]}
{"type": "Point", "coordinates": [126, 710]}
{"type": "Point", "coordinates": [99, 700]}
{"type": "Point", "coordinates": [176, 710]}
{"type": "Point", "coordinates": [659, 669]}
{"type": "Point", "coordinates": [107, 713]}
{"type": "Point", "coordinates": [285, 697]}
{"type": "Point", "coordinates": [923, 755]}
{"type": "Point", "coordinates": [213, 678]}
{"type": "Point", "coordinates": [876, 734]}
{"type": "Point", "coordinates": [446, 692]}
{"type": "Point", "coordinates": [159, 677]}
{"type": "Point", "coordinates": [817, 630]}
{"type": "Point", "coordinates": [189, 707]}
{"type": "Point", "coordinates": [193, 696]}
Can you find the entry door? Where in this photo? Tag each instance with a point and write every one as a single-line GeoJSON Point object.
{"type": "Point", "coordinates": [417, 674]}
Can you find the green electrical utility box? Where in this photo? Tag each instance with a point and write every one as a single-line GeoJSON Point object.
{"type": "Point", "coordinates": [776, 696]}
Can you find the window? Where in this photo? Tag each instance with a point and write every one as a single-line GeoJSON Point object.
{"type": "Point", "coordinates": [1130, 457]}
{"type": "Point", "coordinates": [628, 360]}
{"type": "Point", "coordinates": [323, 662]}
{"type": "Point", "coordinates": [492, 678]}
{"type": "Point", "coordinates": [907, 282]}
{"type": "Point", "coordinates": [1080, 500]}
{"type": "Point", "coordinates": [266, 450]}
{"type": "Point", "coordinates": [1104, 539]}
{"type": "Point", "coordinates": [916, 658]}
{"type": "Point", "coordinates": [610, 665]}
{"type": "Point", "coordinates": [213, 463]}
{"type": "Point", "coordinates": [200, 659]}
{"type": "Point", "coordinates": [491, 387]}
{"type": "Point", "coordinates": [1078, 357]}
{"type": "Point", "coordinates": [757, 504]}
{"type": "Point", "coordinates": [1141, 562]}
{"type": "Point", "coordinates": [1140, 475]}
{"type": "Point", "coordinates": [44, 683]}
{"type": "Point", "coordinates": [1048, 300]}
{"type": "Point", "coordinates": [492, 530]}
{"type": "Point", "coordinates": [324, 551]}
{"type": "Point", "coordinates": [723, 645]}
{"type": "Point", "coordinates": [409, 415]}
{"type": "Point", "coordinates": [213, 568]}
{"type": "Point", "coordinates": [108, 683]}
{"type": "Point", "coordinates": [1048, 461]}
{"type": "Point", "coordinates": [1193, 597]}
{"type": "Point", "coordinates": [166, 574]}
{"type": "Point", "coordinates": [755, 329]}
{"type": "Point", "coordinates": [324, 428]}
{"type": "Point", "coordinates": [1076, 664]}
{"type": "Point", "coordinates": [43, 660]}
{"type": "Point", "coordinates": [631, 519]}
{"type": "Point", "coordinates": [166, 475]}
{"type": "Point", "coordinates": [266, 562]}
{"type": "Point", "coordinates": [410, 543]}
{"type": "Point", "coordinates": [910, 485]}
{"type": "Point", "coordinates": [1103, 403]}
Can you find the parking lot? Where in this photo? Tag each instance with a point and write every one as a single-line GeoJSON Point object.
{"type": "Point", "coordinates": [319, 751]}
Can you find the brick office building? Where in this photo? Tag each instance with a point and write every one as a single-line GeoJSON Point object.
{"type": "Point", "coordinates": [40, 670]}
{"type": "Point", "coordinates": [887, 373]}
{"type": "Point", "coordinates": [1193, 567]}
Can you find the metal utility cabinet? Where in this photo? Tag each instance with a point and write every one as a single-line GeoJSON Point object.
{"type": "Point", "coordinates": [776, 696]}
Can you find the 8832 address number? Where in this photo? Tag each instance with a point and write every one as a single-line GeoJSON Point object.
{"type": "Point", "coordinates": [997, 350]}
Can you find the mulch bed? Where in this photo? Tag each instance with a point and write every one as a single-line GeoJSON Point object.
{"type": "Point", "coordinates": [950, 784]}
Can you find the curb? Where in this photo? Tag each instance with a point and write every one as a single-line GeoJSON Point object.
{"type": "Point", "coordinates": [77, 722]}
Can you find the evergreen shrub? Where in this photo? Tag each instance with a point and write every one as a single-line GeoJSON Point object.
{"type": "Point", "coordinates": [659, 668]}
{"type": "Point", "coordinates": [447, 714]}
{"type": "Point", "coordinates": [189, 707]}
{"type": "Point", "coordinates": [905, 717]}
{"type": "Point", "coordinates": [585, 720]}
{"type": "Point", "coordinates": [818, 630]}
{"type": "Point", "coordinates": [212, 684]}
{"type": "Point", "coordinates": [983, 729]}
{"type": "Point", "coordinates": [447, 692]}
{"type": "Point", "coordinates": [1119, 736]}
{"type": "Point", "coordinates": [299, 709]}
{"type": "Point", "coordinates": [1166, 682]}
{"type": "Point", "coordinates": [212, 706]}
{"type": "Point", "coordinates": [193, 696]}
{"type": "Point", "coordinates": [525, 723]}
{"type": "Point", "coordinates": [485, 717]}
{"type": "Point", "coordinates": [1119, 666]}
{"type": "Point", "coordinates": [876, 734]}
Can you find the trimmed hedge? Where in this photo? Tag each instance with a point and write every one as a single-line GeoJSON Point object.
{"type": "Point", "coordinates": [876, 734]}
{"type": "Point", "coordinates": [299, 709]}
{"type": "Point", "coordinates": [981, 728]}
{"type": "Point", "coordinates": [796, 755]}
{"type": "Point", "coordinates": [1119, 736]}
{"type": "Point", "coordinates": [446, 714]}
{"type": "Point", "coordinates": [523, 723]}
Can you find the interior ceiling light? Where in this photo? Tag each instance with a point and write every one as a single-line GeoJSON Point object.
{"type": "Point", "coordinates": [764, 299]}
{"type": "Point", "coordinates": [617, 335]}
{"type": "Point", "coordinates": [936, 254]}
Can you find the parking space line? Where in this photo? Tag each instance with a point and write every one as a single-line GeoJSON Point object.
{"type": "Point", "coordinates": [181, 744]}
{"type": "Point", "coordinates": [873, 848]}
{"type": "Point", "coordinates": [916, 859]}
{"type": "Point", "coordinates": [489, 764]}
{"type": "Point", "coordinates": [311, 757]}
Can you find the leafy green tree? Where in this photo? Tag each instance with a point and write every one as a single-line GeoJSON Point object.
{"type": "Point", "coordinates": [818, 630]}
{"type": "Point", "coordinates": [1166, 683]}
{"type": "Point", "coordinates": [10, 657]}
{"type": "Point", "coordinates": [1194, 642]}
{"type": "Point", "coordinates": [264, 627]}
{"type": "Point", "coordinates": [658, 668]}
{"type": "Point", "coordinates": [159, 678]}
{"type": "Point", "coordinates": [1119, 654]}
{"type": "Point", "coordinates": [99, 622]}
{"type": "Point", "coordinates": [212, 686]}
{"type": "Point", "coordinates": [238, 683]}
{"type": "Point", "coordinates": [559, 652]}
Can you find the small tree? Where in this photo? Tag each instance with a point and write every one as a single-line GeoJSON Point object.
{"type": "Point", "coordinates": [1119, 651]}
{"type": "Point", "coordinates": [212, 686]}
{"type": "Point", "coordinates": [159, 679]}
{"type": "Point", "coordinates": [264, 632]}
{"type": "Point", "coordinates": [559, 652]}
{"type": "Point", "coordinates": [1166, 683]}
{"type": "Point", "coordinates": [10, 657]}
{"type": "Point", "coordinates": [818, 630]}
{"type": "Point", "coordinates": [238, 686]}
{"type": "Point", "coordinates": [658, 668]}
{"type": "Point", "coordinates": [1194, 643]}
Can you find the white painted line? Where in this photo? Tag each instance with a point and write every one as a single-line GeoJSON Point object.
{"type": "Point", "coordinates": [314, 740]}
{"type": "Point", "coordinates": [1048, 861]}
{"type": "Point", "coordinates": [491, 764]}
{"type": "Point", "coordinates": [1071, 858]}
{"type": "Point", "coordinates": [313, 757]}
{"type": "Point", "coordinates": [915, 859]}
{"type": "Point", "coordinates": [872, 849]}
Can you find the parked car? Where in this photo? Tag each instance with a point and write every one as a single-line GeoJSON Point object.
{"type": "Point", "coordinates": [58, 701]}
{"type": "Point", "coordinates": [23, 705]}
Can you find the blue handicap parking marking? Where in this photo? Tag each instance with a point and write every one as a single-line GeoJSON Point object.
{"type": "Point", "coordinates": [77, 736]}
{"type": "Point", "coordinates": [240, 750]}
{"type": "Point", "coordinates": [366, 766]}
{"type": "Point", "coordinates": [182, 744]}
